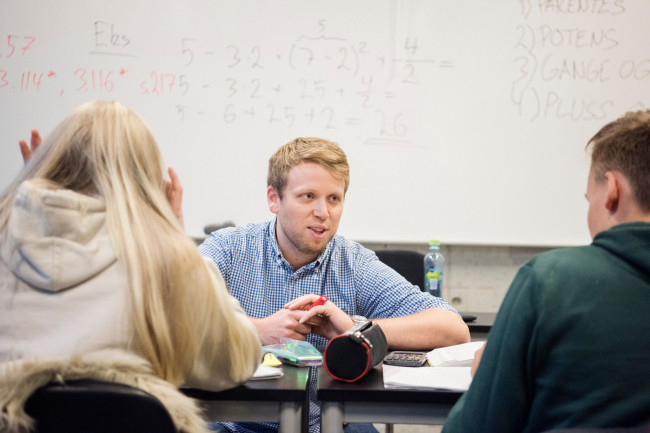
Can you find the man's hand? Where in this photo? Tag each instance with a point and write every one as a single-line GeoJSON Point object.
{"type": "Point", "coordinates": [174, 193]}
{"type": "Point", "coordinates": [26, 150]}
{"type": "Point", "coordinates": [326, 320]}
{"type": "Point", "coordinates": [275, 328]}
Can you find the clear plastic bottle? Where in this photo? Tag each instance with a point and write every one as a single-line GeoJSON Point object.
{"type": "Point", "coordinates": [434, 266]}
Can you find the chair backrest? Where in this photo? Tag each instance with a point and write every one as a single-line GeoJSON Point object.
{"type": "Point", "coordinates": [91, 406]}
{"type": "Point", "coordinates": [407, 263]}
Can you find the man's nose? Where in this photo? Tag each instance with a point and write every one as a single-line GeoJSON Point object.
{"type": "Point", "coordinates": [320, 209]}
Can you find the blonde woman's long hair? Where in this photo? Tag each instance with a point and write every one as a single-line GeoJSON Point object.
{"type": "Point", "coordinates": [105, 149]}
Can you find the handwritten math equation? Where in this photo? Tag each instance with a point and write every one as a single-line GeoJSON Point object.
{"type": "Point", "coordinates": [552, 59]}
{"type": "Point", "coordinates": [322, 80]}
{"type": "Point", "coordinates": [80, 79]}
{"type": "Point", "coordinates": [319, 80]}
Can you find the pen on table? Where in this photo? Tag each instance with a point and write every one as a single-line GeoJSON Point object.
{"type": "Point", "coordinates": [317, 302]}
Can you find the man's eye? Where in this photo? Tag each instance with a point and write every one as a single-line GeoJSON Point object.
{"type": "Point", "coordinates": [309, 195]}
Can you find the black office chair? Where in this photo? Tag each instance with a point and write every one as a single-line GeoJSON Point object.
{"type": "Point", "coordinates": [409, 264]}
{"type": "Point", "coordinates": [91, 406]}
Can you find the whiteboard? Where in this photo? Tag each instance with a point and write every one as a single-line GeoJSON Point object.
{"type": "Point", "coordinates": [464, 121]}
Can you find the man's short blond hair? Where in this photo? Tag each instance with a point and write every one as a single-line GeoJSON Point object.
{"type": "Point", "coordinates": [323, 152]}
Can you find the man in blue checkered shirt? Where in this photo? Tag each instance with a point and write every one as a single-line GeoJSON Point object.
{"type": "Point", "coordinates": [277, 269]}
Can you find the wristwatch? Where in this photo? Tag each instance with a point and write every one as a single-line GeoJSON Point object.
{"type": "Point", "coordinates": [358, 320]}
{"type": "Point", "coordinates": [360, 323]}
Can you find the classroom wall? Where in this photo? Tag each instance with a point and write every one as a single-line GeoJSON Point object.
{"type": "Point", "coordinates": [464, 120]}
{"type": "Point", "coordinates": [476, 277]}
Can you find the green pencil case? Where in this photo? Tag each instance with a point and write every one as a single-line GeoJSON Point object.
{"type": "Point", "coordinates": [295, 352]}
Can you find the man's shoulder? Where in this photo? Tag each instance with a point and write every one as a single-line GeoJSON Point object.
{"type": "Point", "coordinates": [625, 241]}
{"type": "Point", "coordinates": [239, 237]}
{"type": "Point", "coordinates": [247, 231]}
{"type": "Point", "coordinates": [551, 272]}
{"type": "Point", "coordinates": [341, 245]}
{"type": "Point", "coordinates": [344, 254]}
{"type": "Point", "coordinates": [564, 258]}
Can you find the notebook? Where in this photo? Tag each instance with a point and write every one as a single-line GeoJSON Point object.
{"type": "Point", "coordinates": [266, 372]}
{"type": "Point", "coordinates": [460, 355]}
{"type": "Point", "coordinates": [447, 378]}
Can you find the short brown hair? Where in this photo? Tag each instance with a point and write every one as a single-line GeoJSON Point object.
{"type": "Point", "coordinates": [624, 145]}
{"type": "Point", "coordinates": [324, 152]}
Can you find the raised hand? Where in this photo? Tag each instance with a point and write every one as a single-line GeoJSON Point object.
{"type": "Point", "coordinates": [26, 150]}
{"type": "Point", "coordinates": [174, 193]}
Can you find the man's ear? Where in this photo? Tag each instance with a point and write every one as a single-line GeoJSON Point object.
{"type": "Point", "coordinates": [613, 191]}
{"type": "Point", "coordinates": [273, 199]}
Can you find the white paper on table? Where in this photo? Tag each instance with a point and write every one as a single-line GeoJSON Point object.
{"type": "Point", "coordinates": [459, 355]}
{"type": "Point", "coordinates": [448, 378]}
{"type": "Point", "coordinates": [266, 372]}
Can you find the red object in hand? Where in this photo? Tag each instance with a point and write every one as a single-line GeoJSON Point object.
{"type": "Point", "coordinates": [319, 301]}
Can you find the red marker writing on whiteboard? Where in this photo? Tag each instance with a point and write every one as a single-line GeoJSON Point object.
{"type": "Point", "coordinates": [319, 301]}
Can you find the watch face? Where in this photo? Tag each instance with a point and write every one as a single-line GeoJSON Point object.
{"type": "Point", "coordinates": [359, 325]}
{"type": "Point", "coordinates": [359, 319]}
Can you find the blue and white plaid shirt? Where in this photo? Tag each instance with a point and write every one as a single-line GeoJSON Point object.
{"type": "Point", "coordinates": [350, 275]}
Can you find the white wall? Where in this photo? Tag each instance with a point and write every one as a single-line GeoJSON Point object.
{"type": "Point", "coordinates": [466, 116]}
{"type": "Point", "coordinates": [476, 277]}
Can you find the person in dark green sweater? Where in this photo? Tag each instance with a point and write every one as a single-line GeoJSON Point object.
{"type": "Point", "coordinates": [570, 346]}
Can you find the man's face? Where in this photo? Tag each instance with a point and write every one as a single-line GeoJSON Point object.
{"type": "Point", "coordinates": [597, 215]}
{"type": "Point", "coordinates": [309, 212]}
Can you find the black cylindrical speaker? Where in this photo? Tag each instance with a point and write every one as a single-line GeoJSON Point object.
{"type": "Point", "coordinates": [349, 357]}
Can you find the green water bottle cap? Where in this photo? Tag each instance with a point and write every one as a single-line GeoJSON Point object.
{"type": "Point", "coordinates": [434, 242]}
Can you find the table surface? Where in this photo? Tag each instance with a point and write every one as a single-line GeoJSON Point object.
{"type": "Point", "coordinates": [368, 401]}
{"type": "Point", "coordinates": [292, 386]}
{"type": "Point", "coordinates": [483, 322]}
{"type": "Point", "coordinates": [370, 388]}
{"type": "Point", "coordinates": [292, 389]}
{"type": "Point", "coordinates": [284, 400]}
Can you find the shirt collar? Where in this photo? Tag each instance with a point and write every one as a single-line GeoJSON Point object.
{"type": "Point", "coordinates": [277, 254]}
{"type": "Point", "coordinates": [274, 240]}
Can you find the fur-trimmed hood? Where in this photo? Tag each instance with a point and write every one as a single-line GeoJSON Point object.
{"type": "Point", "coordinates": [20, 378]}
